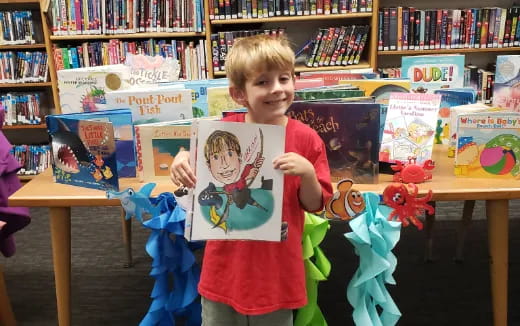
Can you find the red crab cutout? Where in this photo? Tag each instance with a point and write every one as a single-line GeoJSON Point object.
{"type": "Point", "coordinates": [406, 206]}
{"type": "Point", "coordinates": [412, 172]}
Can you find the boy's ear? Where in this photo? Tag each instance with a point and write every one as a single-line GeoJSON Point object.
{"type": "Point", "coordinates": [238, 95]}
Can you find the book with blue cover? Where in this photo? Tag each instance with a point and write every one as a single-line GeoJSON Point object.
{"type": "Point", "coordinates": [351, 133]}
{"type": "Point", "coordinates": [123, 134]}
{"type": "Point", "coordinates": [506, 90]}
{"type": "Point", "coordinates": [430, 72]}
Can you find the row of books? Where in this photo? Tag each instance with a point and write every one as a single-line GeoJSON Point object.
{"type": "Point", "coordinates": [23, 67]}
{"type": "Point", "coordinates": [34, 159]}
{"type": "Point", "coordinates": [237, 9]}
{"type": "Point", "coordinates": [125, 16]}
{"type": "Point", "coordinates": [408, 28]}
{"type": "Point", "coordinates": [191, 55]}
{"type": "Point", "coordinates": [337, 46]}
{"type": "Point", "coordinates": [21, 108]}
{"type": "Point", "coordinates": [16, 27]}
{"type": "Point", "coordinates": [222, 42]}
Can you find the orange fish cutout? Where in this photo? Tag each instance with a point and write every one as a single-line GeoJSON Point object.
{"type": "Point", "coordinates": [346, 203]}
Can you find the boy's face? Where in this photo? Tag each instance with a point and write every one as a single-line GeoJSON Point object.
{"type": "Point", "coordinates": [225, 165]}
{"type": "Point", "coordinates": [267, 95]}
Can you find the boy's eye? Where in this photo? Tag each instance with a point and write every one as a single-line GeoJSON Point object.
{"type": "Point", "coordinates": [261, 82]}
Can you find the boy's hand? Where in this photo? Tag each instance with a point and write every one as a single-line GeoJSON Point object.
{"type": "Point", "coordinates": [180, 170]}
{"type": "Point", "coordinates": [294, 164]}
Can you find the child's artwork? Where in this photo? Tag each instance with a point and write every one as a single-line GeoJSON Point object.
{"type": "Point", "coordinates": [430, 72]}
{"type": "Point", "coordinates": [238, 194]}
{"type": "Point", "coordinates": [488, 145]}
{"type": "Point", "coordinates": [506, 90]}
{"type": "Point", "coordinates": [409, 127]}
{"type": "Point", "coordinates": [84, 153]}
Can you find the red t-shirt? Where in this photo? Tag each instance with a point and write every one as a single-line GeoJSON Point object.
{"type": "Point", "coordinates": [258, 277]}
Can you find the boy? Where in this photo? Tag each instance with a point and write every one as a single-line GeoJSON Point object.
{"type": "Point", "coordinates": [255, 282]}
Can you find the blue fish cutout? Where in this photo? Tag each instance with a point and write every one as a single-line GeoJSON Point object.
{"type": "Point", "coordinates": [136, 203]}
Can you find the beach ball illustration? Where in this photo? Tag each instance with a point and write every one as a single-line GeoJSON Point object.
{"type": "Point", "coordinates": [498, 159]}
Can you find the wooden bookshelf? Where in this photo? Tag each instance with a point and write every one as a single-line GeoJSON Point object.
{"type": "Point", "coordinates": [445, 51]}
{"type": "Point", "coordinates": [124, 36]}
{"type": "Point", "coordinates": [290, 18]}
{"type": "Point", "coordinates": [6, 47]}
{"type": "Point", "coordinates": [27, 126]}
{"type": "Point", "coordinates": [25, 85]}
{"type": "Point", "coordinates": [302, 68]}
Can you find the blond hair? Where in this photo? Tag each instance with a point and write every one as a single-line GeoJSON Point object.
{"type": "Point", "coordinates": [216, 141]}
{"type": "Point", "coordinates": [257, 53]}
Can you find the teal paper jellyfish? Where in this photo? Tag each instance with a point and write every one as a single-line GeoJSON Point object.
{"type": "Point", "coordinates": [373, 238]}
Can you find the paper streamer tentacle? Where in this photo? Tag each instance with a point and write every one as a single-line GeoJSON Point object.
{"type": "Point", "coordinates": [317, 268]}
{"type": "Point", "coordinates": [373, 238]}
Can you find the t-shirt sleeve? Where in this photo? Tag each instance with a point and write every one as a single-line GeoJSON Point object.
{"type": "Point", "coordinates": [318, 157]}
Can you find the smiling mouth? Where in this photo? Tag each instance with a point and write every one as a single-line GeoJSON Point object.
{"type": "Point", "coordinates": [228, 173]}
{"type": "Point", "coordinates": [275, 101]}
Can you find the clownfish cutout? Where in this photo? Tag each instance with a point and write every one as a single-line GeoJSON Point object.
{"type": "Point", "coordinates": [346, 203]}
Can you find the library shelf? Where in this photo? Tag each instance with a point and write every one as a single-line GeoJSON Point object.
{"type": "Point", "coordinates": [24, 85]}
{"type": "Point", "coordinates": [21, 46]}
{"type": "Point", "coordinates": [440, 51]}
{"type": "Point", "coordinates": [290, 18]}
{"type": "Point", "coordinates": [125, 36]}
{"type": "Point", "coordinates": [301, 68]}
{"type": "Point", "coordinates": [26, 126]}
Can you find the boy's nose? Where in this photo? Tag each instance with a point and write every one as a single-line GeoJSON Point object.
{"type": "Point", "coordinates": [277, 87]}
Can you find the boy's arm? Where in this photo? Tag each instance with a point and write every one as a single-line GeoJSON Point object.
{"type": "Point", "coordinates": [310, 192]}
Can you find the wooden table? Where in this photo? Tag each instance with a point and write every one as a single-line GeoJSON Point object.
{"type": "Point", "coordinates": [43, 192]}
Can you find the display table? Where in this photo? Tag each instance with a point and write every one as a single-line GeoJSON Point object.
{"type": "Point", "coordinates": [43, 192]}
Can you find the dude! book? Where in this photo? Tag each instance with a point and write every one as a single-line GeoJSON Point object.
{"type": "Point", "coordinates": [83, 152]}
{"type": "Point", "coordinates": [488, 145]}
{"type": "Point", "coordinates": [350, 132]}
{"type": "Point", "coordinates": [238, 194]}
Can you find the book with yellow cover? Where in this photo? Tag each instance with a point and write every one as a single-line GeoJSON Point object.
{"type": "Point", "coordinates": [380, 89]}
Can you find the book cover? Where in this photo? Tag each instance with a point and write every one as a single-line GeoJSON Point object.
{"type": "Point", "coordinates": [219, 100]}
{"type": "Point", "coordinates": [350, 132]}
{"type": "Point", "coordinates": [238, 194]}
{"type": "Point", "coordinates": [409, 127]}
{"type": "Point", "coordinates": [380, 89]}
{"type": "Point", "coordinates": [321, 93]}
{"type": "Point", "coordinates": [83, 152]}
{"type": "Point", "coordinates": [123, 134]}
{"type": "Point", "coordinates": [450, 97]}
{"type": "Point", "coordinates": [333, 77]}
{"type": "Point", "coordinates": [153, 104]}
{"type": "Point", "coordinates": [506, 91]}
{"type": "Point", "coordinates": [157, 145]}
{"type": "Point", "coordinates": [430, 72]}
{"type": "Point", "coordinates": [488, 145]}
{"type": "Point", "coordinates": [84, 89]}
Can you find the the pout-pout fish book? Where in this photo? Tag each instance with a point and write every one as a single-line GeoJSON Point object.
{"type": "Point", "coordinates": [84, 152]}
{"type": "Point", "coordinates": [238, 194]}
{"type": "Point", "coordinates": [488, 145]}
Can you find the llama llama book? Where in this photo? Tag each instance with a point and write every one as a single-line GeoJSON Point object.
{"type": "Point", "coordinates": [350, 132]}
{"type": "Point", "coordinates": [409, 127]}
{"type": "Point", "coordinates": [238, 194]}
{"type": "Point", "coordinates": [153, 104]}
{"type": "Point", "coordinates": [83, 152]}
{"type": "Point", "coordinates": [488, 145]}
{"type": "Point", "coordinates": [506, 91]}
{"type": "Point", "coordinates": [84, 89]}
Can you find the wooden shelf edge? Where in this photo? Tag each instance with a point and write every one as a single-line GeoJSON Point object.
{"type": "Point", "coordinates": [21, 46]}
{"type": "Point", "coordinates": [22, 85]}
{"type": "Point", "coordinates": [124, 36]}
{"type": "Point", "coordinates": [362, 65]}
{"type": "Point", "coordinates": [19, 1]}
{"type": "Point", "coordinates": [27, 126]}
{"type": "Point", "coordinates": [465, 50]}
{"type": "Point", "coordinates": [290, 18]}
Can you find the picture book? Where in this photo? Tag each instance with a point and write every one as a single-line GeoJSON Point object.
{"type": "Point", "coordinates": [430, 72]}
{"type": "Point", "coordinates": [409, 127]}
{"type": "Point", "coordinates": [333, 77]}
{"type": "Point", "coordinates": [380, 89]}
{"type": "Point", "coordinates": [219, 100]}
{"type": "Point", "coordinates": [350, 132]}
{"type": "Point", "coordinates": [238, 194]}
{"type": "Point", "coordinates": [83, 152]}
{"type": "Point", "coordinates": [149, 70]}
{"type": "Point", "coordinates": [328, 92]}
{"type": "Point", "coordinates": [157, 145]}
{"type": "Point", "coordinates": [84, 89]}
{"type": "Point", "coordinates": [450, 97]}
{"type": "Point", "coordinates": [506, 91]}
{"type": "Point", "coordinates": [153, 104]}
{"type": "Point", "coordinates": [452, 128]}
{"type": "Point", "coordinates": [123, 134]}
{"type": "Point", "coordinates": [488, 145]}
{"type": "Point", "coordinates": [308, 83]}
